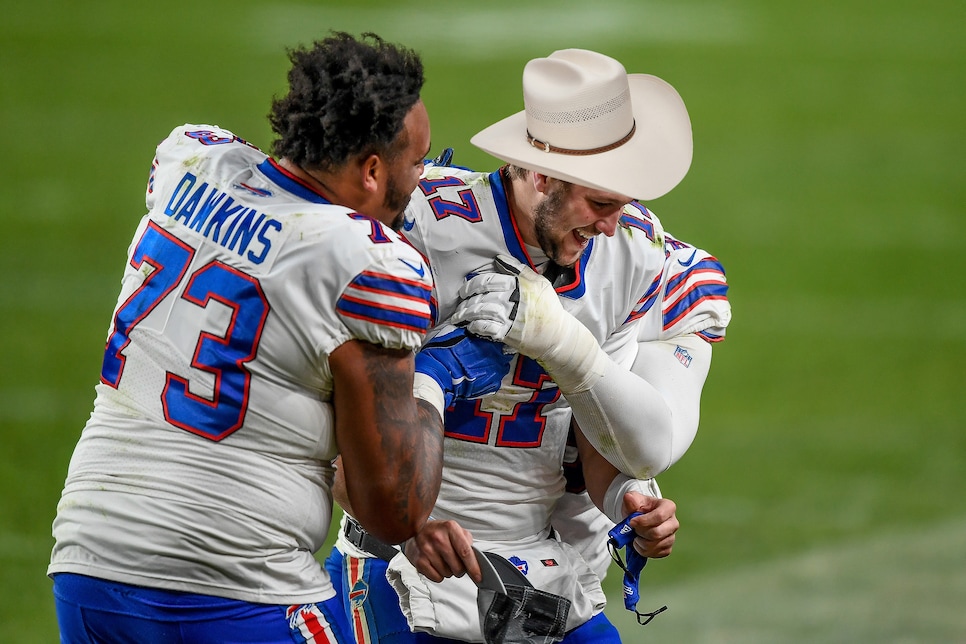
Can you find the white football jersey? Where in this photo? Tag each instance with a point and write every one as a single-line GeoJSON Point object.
{"type": "Point", "coordinates": [205, 465]}
{"type": "Point", "coordinates": [504, 453]}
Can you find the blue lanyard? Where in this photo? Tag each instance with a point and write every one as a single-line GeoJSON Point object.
{"type": "Point", "coordinates": [622, 536]}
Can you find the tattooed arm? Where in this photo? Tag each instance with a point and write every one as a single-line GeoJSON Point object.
{"type": "Point", "coordinates": [391, 443]}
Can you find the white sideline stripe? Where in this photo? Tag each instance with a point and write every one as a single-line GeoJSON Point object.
{"type": "Point", "coordinates": [908, 586]}
{"type": "Point", "coordinates": [469, 32]}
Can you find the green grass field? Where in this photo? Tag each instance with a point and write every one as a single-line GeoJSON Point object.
{"type": "Point", "coordinates": [823, 500]}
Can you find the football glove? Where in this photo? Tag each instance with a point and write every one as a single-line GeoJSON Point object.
{"type": "Point", "coordinates": [520, 308]}
{"type": "Point", "coordinates": [463, 365]}
{"type": "Point", "coordinates": [444, 159]}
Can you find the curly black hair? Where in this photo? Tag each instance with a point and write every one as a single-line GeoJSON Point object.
{"type": "Point", "coordinates": [347, 97]}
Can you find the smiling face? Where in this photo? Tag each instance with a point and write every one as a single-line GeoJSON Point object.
{"type": "Point", "coordinates": [569, 216]}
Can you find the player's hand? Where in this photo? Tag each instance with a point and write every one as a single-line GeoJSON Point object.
{"type": "Point", "coordinates": [518, 307]}
{"type": "Point", "coordinates": [464, 366]}
{"type": "Point", "coordinates": [513, 305]}
{"type": "Point", "coordinates": [444, 159]}
{"type": "Point", "coordinates": [657, 526]}
{"type": "Point", "coordinates": [443, 549]}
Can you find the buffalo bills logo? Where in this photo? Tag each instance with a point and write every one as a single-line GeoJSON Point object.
{"type": "Point", "coordinates": [521, 565]}
{"type": "Point", "coordinates": [358, 594]}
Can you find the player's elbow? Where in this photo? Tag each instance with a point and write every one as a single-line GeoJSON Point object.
{"type": "Point", "coordinates": [671, 436]}
{"type": "Point", "coordinates": [637, 454]}
{"type": "Point", "coordinates": [655, 454]}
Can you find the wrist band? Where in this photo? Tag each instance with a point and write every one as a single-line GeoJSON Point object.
{"type": "Point", "coordinates": [426, 388]}
{"type": "Point", "coordinates": [614, 497]}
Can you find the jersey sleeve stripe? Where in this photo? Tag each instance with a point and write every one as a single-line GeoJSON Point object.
{"type": "Point", "coordinates": [696, 293]}
{"type": "Point", "coordinates": [433, 312]}
{"type": "Point", "coordinates": [392, 285]}
{"type": "Point", "coordinates": [412, 295]}
{"type": "Point", "coordinates": [381, 314]}
{"type": "Point", "coordinates": [707, 266]}
{"type": "Point", "coordinates": [646, 302]}
{"type": "Point", "coordinates": [389, 300]}
{"type": "Point", "coordinates": [710, 337]}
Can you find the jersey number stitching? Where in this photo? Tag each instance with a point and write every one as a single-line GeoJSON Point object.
{"type": "Point", "coordinates": [523, 426]}
{"type": "Point", "coordinates": [466, 208]}
{"type": "Point", "coordinates": [222, 356]}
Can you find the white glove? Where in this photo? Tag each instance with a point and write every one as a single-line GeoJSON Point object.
{"type": "Point", "coordinates": [518, 307]}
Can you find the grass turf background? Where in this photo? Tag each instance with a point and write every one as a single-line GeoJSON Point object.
{"type": "Point", "coordinates": [823, 498]}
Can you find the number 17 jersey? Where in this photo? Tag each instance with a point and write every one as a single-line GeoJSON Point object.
{"type": "Point", "coordinates": [504, 454]}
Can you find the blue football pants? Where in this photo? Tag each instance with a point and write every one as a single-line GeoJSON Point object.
{"type": "Point", "coordinates": [97, 611]}
{"type": "Point", "coordinates": [373, 614]}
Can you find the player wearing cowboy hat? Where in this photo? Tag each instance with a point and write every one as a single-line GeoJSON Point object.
{"type": "Point", "coordinates": [620, 317]}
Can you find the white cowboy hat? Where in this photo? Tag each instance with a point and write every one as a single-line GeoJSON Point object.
{"type": "Point", "coordinates": [589, 122]}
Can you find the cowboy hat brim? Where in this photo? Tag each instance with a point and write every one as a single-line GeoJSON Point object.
{"type": "Point", "coordinates": [654, 160]}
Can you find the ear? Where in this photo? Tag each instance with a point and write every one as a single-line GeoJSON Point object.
{"type": "Point", "coordinates": [540, 181]}
{"type": "Point", "coordinates": [371, 171]}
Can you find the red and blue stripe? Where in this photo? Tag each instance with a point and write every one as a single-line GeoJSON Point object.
{"type": "Point", "coordinates": [702, 282]}
{"type": "Point", "coordinates": [388, 300]}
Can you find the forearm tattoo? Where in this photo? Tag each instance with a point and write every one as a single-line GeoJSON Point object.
{"type": "Point", "coordinates": [412, 433]}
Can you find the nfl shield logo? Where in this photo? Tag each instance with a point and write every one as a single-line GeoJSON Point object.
{"type": "Point", "coordinates": [683, 356]}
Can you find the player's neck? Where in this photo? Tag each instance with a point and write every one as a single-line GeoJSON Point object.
{"type": "Point", "coordinates": [336, 187]}
{"type": "Point", "coordinates": [521, 197]}
{"type": "Point", "coordinates": [315, 180]}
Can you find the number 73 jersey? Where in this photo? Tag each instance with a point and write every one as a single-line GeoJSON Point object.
{"type": "Point", "coordinates": [504, 453]}
{"type": "Point", "coordinates": [205, 465]}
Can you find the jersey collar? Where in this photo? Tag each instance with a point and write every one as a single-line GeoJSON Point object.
{"type": "Point", "coordinates": [290, 183]}
{"type": "Point", "coordinates": [568, 282]}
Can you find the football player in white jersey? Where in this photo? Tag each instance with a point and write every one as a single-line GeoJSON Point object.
{"type": "Point", "coordinates": [619, 320]}
{"type": "Point", "coordinates": [267, 320]}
